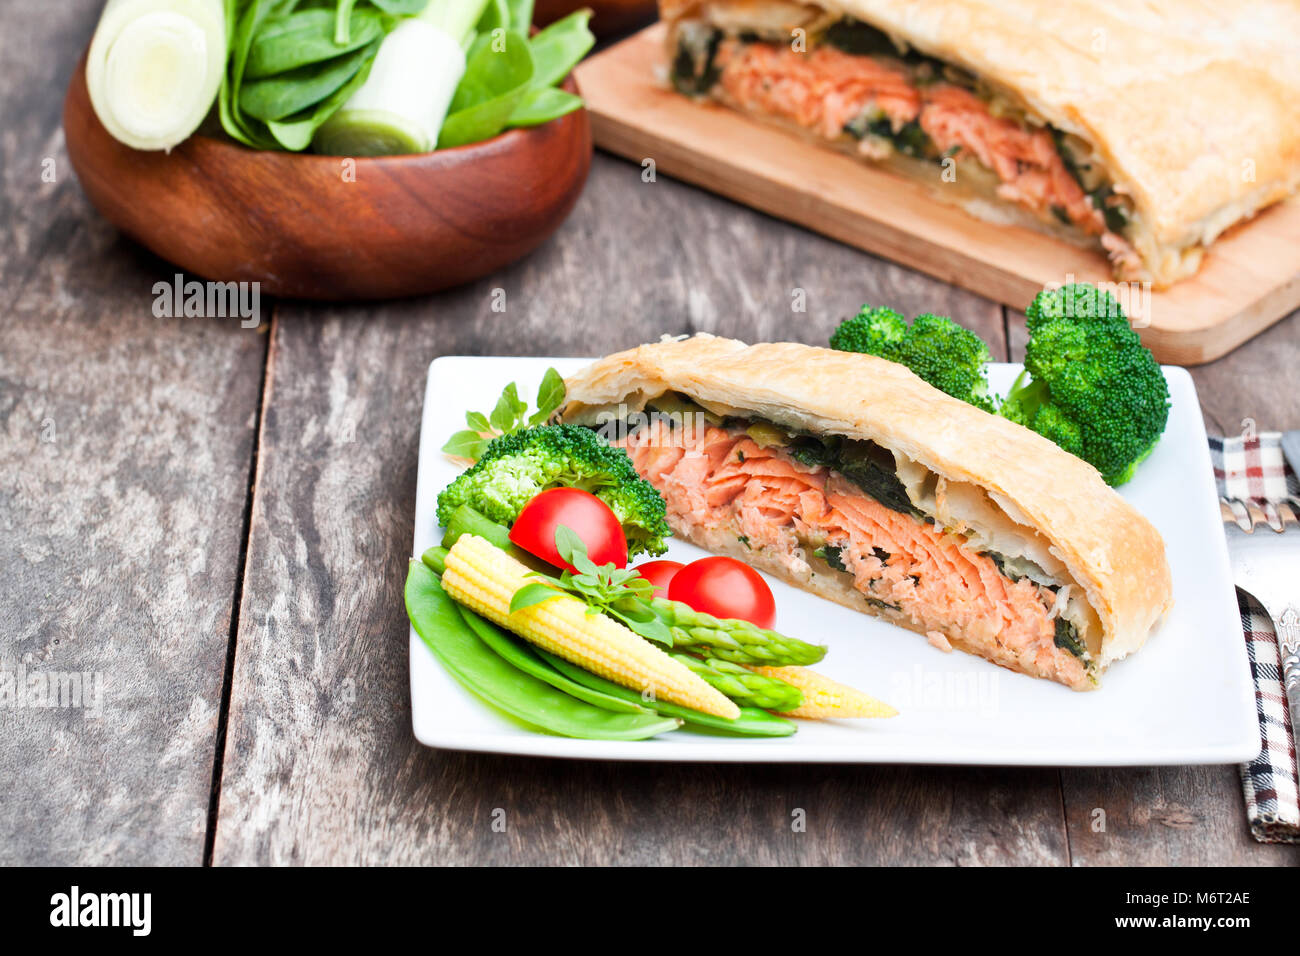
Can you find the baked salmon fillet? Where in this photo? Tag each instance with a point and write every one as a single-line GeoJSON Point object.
{"type": "Point", "coordinates": [1143, 131]}
{"type": "Point", "coordinates": [850, 477]}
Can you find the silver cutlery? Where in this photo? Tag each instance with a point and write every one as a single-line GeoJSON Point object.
{"type": "Point", "coordinates": [1264, 544]}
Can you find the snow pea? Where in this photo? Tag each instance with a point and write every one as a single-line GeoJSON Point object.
{"type": "Point", "coordinates": [485, 673]}
{"type": "Point", "coordinates": [752, 721]}
{"type": "Point", "coordinates": [516, 652]}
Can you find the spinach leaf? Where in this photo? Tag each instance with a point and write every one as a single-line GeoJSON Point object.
{"type": "Point", "coordinates": [295, 132]}
{"type": "Point", "coordinates": [559, 47]}
{"type": "Point", "coordinates": [284, 94]}
{"type": "Point", "coordinates": [305, 37]}
{"type": "Point", "coordinates": [401, 8]}
{"type": "Point", "coordinates": [497, 75]}
{"type": "Point", "coordinates": [241, 27]}
{"type": "Point", "coordinates": [544, 105]}
{"type": "Point", "coordinates": [496, 15]}
{"type": "Point", "coordinates": [521, 14]}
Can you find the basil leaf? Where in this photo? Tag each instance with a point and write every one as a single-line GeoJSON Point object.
{"type": "Point", "coordinates": [550, 395]}
{"type": "Point", "coordinates": [506, 414]}
{"type": "Point", "coordinates": [465, 444]}
{"type": "Point", "coordinates": [570, 546]}
{"type": "Point", "coordinates": [652, 629]}
{"type": "Point", "coordinates": [478, 421]}
{"type": "Point", "coordinates": [531, 594]}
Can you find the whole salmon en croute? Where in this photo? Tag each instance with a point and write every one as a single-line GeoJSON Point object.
{"type": "Point", "coordinates": [848, 476]}
{"type": "Point", "coordinates": [1144, 130]}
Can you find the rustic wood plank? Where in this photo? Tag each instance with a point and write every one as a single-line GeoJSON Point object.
{"type": "Point", "coordinates": [1246, 283]}
{"type": "Point", "coordinates": [1163, 816]}
{"type": "Point", "coordinates": [320, 764]}
{"type": "Point", "coordinates": [125, 442]}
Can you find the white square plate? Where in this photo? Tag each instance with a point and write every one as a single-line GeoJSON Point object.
{"type": "Point", "coordinates": [1185, 698]}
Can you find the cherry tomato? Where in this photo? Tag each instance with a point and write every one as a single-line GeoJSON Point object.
{"type": "Point", "coordinates": [578, 510]}
{"type": "Point", "coordinates": [659, 573]}
{"type": "Point", "coordinates": [724, 587]}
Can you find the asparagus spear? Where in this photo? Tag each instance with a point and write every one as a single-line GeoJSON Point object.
{"type": "Point", "coordinates": [740, 685]}
{"type": "Point", "coordinates": [739, 642]}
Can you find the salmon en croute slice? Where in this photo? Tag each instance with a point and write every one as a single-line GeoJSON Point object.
{"type": "Point", "coordinates": [850, 477]}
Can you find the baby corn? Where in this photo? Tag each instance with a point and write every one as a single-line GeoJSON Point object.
{"type": "Point", "coordinates": [484, 578]}
{"type": "Point", "coordinates": [825, 699]}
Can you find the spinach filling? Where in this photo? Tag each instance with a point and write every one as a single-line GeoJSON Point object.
{"type": "Point", "coordinates": [864, 463]}
{"type": "Point", "coordinates": [693, 70]}
{"type": "Point", "coordinates": [833, 556]}
{"type": "Point", "coordinates": [909, 139]}
{"type": "Point", "coordinates": [1067, 636]}
{"type": "Point", "coordinates": [1115, 215]}
{"type": "Point", "coordinates": [860, 39]}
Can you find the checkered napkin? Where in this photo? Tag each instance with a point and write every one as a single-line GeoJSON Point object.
{"type": "Point", "coordinates": [1254, 468]}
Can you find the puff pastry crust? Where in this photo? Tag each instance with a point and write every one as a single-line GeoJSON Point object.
{"type": "Point", "coordinates": [1193, 106]}
{"type": "Point", "coordinates": [1112, 552]}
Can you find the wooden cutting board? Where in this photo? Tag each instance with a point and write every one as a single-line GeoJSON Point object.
{"type": "Point", "coordinates": [1249, 280]}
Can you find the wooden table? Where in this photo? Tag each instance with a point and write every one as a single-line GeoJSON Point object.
{"type": "Point", "coordinates": [218, 519]}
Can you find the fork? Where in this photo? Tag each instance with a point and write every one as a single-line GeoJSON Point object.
{"type": "Point", "coordinates": [1264, 544]}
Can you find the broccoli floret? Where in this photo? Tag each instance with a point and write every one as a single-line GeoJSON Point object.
{"type": "Point", "coordinates": [1089, 384]}
{"type": "Point", "coordinates": [949, 357]}
{"type": "Point", "coordinates": [515, 467]}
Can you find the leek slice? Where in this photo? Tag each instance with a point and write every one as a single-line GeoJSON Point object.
{"type": "Point", "coordinates": [401, 106]}
{"type": "Point", "coordinates": [154, 68]}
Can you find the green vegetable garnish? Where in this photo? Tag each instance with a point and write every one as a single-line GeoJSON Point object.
{"type": "Point", "coordinates": [509, 416]}
{"type": "Point", "coordinates": [752, 722]}
{"type": "Point", "coordinates": [381, 77]}
{"type": "Point", "coordinates": [949, 357]}
{"type": "Point", "coordinates": [619, 592]}
{"type": "Point", "coordinates": [515, 467]}
{"type": "Point", "coordinates": [438, 621]}
{"type": "Point", "coordinates": [1089, 383]}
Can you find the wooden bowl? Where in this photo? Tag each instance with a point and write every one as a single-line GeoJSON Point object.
{"type": "Point", "coordinates": [608, 16]}
{"type": "Point", "coordinates": [321, 227]}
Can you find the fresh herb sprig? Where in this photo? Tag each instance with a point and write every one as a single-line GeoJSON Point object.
{"type": "Point", "coordinates": [510, 415]}
{"type": "Point", "coordinates": [622, 593]}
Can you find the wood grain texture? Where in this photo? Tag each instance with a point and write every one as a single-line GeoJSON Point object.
{"type": "Point", "coordinates": [1163, 816]}
{"type": "Point", "coordinates": [1249, 280]}
{"type": "Point", "coordinates": [122, 538]}
{"type": "Point", "coordinates": [326, 227]}
{"type": "Point", "coordinates": [320, 764]}
{"type": "Point", "coordinates": [125, 442]}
